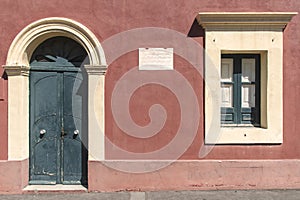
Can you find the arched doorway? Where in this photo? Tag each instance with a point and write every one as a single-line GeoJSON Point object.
{"type": "Point", "coordinates": [58, 113]}
{"type": "Point", "coordinates": [21, 57]}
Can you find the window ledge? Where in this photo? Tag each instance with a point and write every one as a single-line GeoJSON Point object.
{"type": "Point", "coordinates": [254, 135]}
{"type": "Point", "coordinates": [240, 126]}
{"type": "Point", "coordinates": [246, 135]}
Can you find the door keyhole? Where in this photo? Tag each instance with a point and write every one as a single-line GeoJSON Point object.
{"type": "Point", "coordinates": [63, 133]}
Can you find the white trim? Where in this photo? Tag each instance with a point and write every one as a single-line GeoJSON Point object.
{"type": "Point", "coordinates": [17, 67]}
{"type": "Point", "coordinates": [32, 35]}
{"type": "Point", "coordinates": [96, 112]}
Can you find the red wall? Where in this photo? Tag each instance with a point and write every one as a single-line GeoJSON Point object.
{"type": "Point", "coordinates": [3, 114]}
{"type": "Point", "coordinates": [108, 17]}
{"type": "Point", "coordinates": [13, 176]}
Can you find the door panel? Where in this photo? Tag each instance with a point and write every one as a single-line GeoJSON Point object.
{"type": "Point", "coordinates": [74, 154]}
{"type": "Point", "coordinates": [44, 117]}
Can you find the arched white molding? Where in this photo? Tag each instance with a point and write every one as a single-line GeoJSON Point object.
{"type": "Point", "coordinates": [17, 68]}
{"type": "Point", "coordinates": [31, 36]}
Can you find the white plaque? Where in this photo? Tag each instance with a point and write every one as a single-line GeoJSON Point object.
{"type": "Point", "coordinates": [155, 58]}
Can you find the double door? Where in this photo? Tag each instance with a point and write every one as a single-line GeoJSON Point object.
{"type": "Point", "coordinates": [58, 130]}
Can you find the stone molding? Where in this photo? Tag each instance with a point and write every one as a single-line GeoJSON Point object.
{"type": "Point", "coordinates": [35, 33]}
{"type": "Point", "coordinates": [252, 32]}
{"type": "Point", "coordinates": [16, 70]}
{"type": "Point", "coordinates": [95, 70]}
{"type": "Point", "coordinates": [263, 21]}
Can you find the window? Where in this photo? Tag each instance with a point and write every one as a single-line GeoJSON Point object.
{"type": "Point", "coordinates": [243, 76]}
{"type": "Point", "coordinates": [240, 89]}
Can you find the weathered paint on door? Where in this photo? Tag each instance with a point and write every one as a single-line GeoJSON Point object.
{"type": "Point", "coordinates": [58, 131]}
{"type": "Point", "coordinates": [57, 151]}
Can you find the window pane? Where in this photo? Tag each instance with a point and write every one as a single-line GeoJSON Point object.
{"type": "Point", "coordinates": [248, 70]}
{"type": "Point", "coordinates": [226, 69]}
{"type": "Point", "coordinates": [226, 90]}
{"type": "Point", "coordinates": [248, 96]}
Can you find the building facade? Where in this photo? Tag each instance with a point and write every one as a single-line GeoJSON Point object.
{"type": "Point", "coordinates": [138, 95]}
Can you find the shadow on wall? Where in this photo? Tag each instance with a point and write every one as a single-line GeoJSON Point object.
{"type": "Point", "coordinates": [196, 30]}
{"type": "Point", "coordinates": [4, 75]}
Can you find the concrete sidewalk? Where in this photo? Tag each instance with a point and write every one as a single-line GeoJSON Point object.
{"type": "Point", "coordinates": [167, 195]}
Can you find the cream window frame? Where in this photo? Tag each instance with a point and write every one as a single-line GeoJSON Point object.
{"type": "Point", "coordinates": [235, 32]}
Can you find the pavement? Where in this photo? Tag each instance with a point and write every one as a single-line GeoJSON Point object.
{"type": "Point", "coordinates": [166, 195]}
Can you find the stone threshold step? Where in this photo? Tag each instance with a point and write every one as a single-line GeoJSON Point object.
{"type": "Point", "coordinates": [54, 188]}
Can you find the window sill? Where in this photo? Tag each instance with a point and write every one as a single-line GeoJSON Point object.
{"type": "Point", "coordinates": [240, 126]}
{"type": "Point", "coordinates": [246, 135]}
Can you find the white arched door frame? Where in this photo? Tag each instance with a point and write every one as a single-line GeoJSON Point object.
{"type": "Point", "coordinates": [17, 68]}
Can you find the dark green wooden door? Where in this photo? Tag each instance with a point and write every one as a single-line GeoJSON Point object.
{"type": "Point", "coordinates": [58, 114]}
{"type": "Point", "coordinates": [58, 153]}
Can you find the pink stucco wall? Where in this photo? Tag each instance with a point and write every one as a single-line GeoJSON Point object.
{"type": "Point", "coordinates": [3, 116]}
{"type": "Point", "coordinates": [106, 18]}
{"type": "Point", "coordinates": [13, 176]}
{"type": "Point", "coordinates": [200, 175]}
